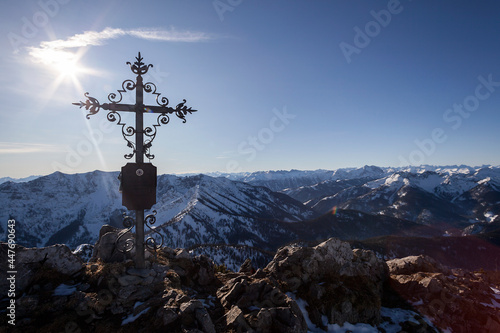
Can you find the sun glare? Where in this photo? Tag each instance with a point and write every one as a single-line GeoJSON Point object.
{"type": "Point", "coordinates": [69, 68]}
{"type": "Point", "coordinates": [64, 63]}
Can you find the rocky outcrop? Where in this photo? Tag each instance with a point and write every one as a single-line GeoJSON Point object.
{"type": "Point", "coordinates": [113, 245]}
{"type": "Point", "coordinates": [454, 300]}
{"type": "Point", "coordinates": [34, 263]}
{"type": "Point", "coordinates": [179, 292]}
{"type": "Point", "coordinates": [415, 264]}
{"type": "Point", "coordinates": [336, 282]}
{"type": "Point", "coordinates": [301, 289]}
{"type": "Point", "coordinates": [255, 304]}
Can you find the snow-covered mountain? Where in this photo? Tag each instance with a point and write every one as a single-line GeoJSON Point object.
{"type": "Point", "coordinates": [71, 209]}
{"type": "Point", "coordinates": [206, 210]}
{"type": "Point", "coordinates": [450, 196]}
{"type": "Point", "coordinates": [278, 180]}
{"type": "Point", "coordinates": [18, 180]}
{"type": "Point", "coordinates": [245, 208]}
{"type": "Point", "coordinates": [61, 208]}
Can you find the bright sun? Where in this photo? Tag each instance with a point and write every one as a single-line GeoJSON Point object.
{"type": "Point", "coordinates": [68, 68]}
{"type": "Point", "coordinates": [64, 63]}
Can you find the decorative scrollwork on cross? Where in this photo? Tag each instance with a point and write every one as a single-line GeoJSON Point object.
{"type": "Point", "coordinates": [150, 87]}
{"type": "Point", "coordinates": [138, 67]}
{"type": "Point", "coordinates": [150, 132]}
{"type": "Point", "coordinates": [181, 110]}
{"type": "Point", "coordinates": [127, 131]}
{"type": "Point", "coordinates": [91, 104]}
{"type": "Point", "coordinates": [151, 243]}
{"type": "Point", "coordinates": [126, 85]}
{"type": "Point", "coordinates": [126, 244]}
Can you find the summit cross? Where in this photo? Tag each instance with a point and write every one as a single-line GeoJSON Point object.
{"type": "Point", "coordinates": [140, 147]}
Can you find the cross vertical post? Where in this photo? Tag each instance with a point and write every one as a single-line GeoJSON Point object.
{"type": "Point", "coordinates": [139, 191]}
{"type": "Point", "coordinates": [139, 158]}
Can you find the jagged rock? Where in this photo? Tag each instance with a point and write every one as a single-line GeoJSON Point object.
{"type": "Point", "coordinates": [84, 251]}
{"type": "Point", "coordinates": [337, 282]}
{"type": "Point", "coordinates": [247, 267]}
{"type": "Point", "coordinates": [256, 304]}
{"type": "Point", "coordinates": [455, 301]}
{"type": "Point", "coordinates": [432, 283]}
{"type": "Point", "coordinates": [414, 264]}
{"type": "Point", "coordinates": [182, 310]}
{"type": "Point", "coordinates": [107, 248]}
{"type": "Point", "coordinates": [204, 270]}
{"type": "Point", "coordinates": [204, 320]}
{"type": "Point", "coordinates": [235, 319]}
{"type": "Point", "coordinates": [331, 280]}
{"type": "Point", "coordinates": [168, 314]}
{"type": "Point", "coordinates": [191, 270]}
{"type": "Point", "coordinates": [32, 261]}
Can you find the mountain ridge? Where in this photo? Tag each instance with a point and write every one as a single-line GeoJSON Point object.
{"type": "Point", "coordinates": [260, 210]}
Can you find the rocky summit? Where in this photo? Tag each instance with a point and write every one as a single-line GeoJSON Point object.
{"type": "Point", "coordinates": [322, 288]}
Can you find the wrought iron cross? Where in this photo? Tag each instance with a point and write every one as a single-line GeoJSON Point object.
{"type": "Point", "coordinates": [140, 148]}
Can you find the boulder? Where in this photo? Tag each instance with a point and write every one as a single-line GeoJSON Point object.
{"type": "Point", "coordinates": [84, 251]}
{"type": "Point", "coordinates": [180, 310]}
{"type": "Point", "coordinates": [198, 270]}
{"type": "Point", "coordinates": [414, 264]}
{"type": "Point", "coordinates": [32, 261]}
{"type": "Point", "coordinates": [341, 284]}
{"type": "Point", "coordinates": [256, 305]}
{"type": "Point", "coordinates": [111, 245]}
{"type": "Point", "coordinates": [247, 267]}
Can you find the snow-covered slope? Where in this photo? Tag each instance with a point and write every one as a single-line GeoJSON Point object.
{"type": "Point", "coordinates": [200, 209]}
{"type": "Point", "coordinates": [454, 195]}
{"type": "Point", "coordinates": [206, 210]}
{"type": "Point", "coordinates": [61, 208]}
{"type": "Point", "coordinates": [18, 180]}
{"type": "Point", "coordinates": [71, 209]}
{"type": "Point", "coordinates": [279, 180]}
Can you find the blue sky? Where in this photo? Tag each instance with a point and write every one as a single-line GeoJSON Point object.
{"type": "Point", "coordinates": [278, 84]}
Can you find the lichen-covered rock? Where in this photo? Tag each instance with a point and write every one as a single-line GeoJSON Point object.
{"type": "Point", "coordinates": [415, 264]}
{"type": "Point", "coordinates": [256, 305]}
{"type": "Point", "coordinates": [32, 261]}
{"type": "Point", "coordinates": [247, 267]}
{"type": "Point", "coordinates": [84, 251]}
{"type": "Point", "coordinates": [337, 282]}
{"type": "Point", "coordinates": [181, 311]}
{"type": "Point", "coordinates": [453, 300]}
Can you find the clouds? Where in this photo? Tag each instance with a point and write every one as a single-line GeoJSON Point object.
{"type": "Point", "coordinates": [67, 48]}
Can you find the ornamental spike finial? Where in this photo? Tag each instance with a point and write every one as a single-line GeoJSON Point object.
{"type": "Point", "coordinates": [138, 67]}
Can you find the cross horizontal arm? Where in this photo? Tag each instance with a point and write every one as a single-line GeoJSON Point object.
{"type": "Point", "coordinates": [143, 108]}
{"type": "Point", "coordinates": [159, 109]}
{"type": "Point", "coordinates": [93, 106]}
{"type": "Point", "coordinates": [119, 107]}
